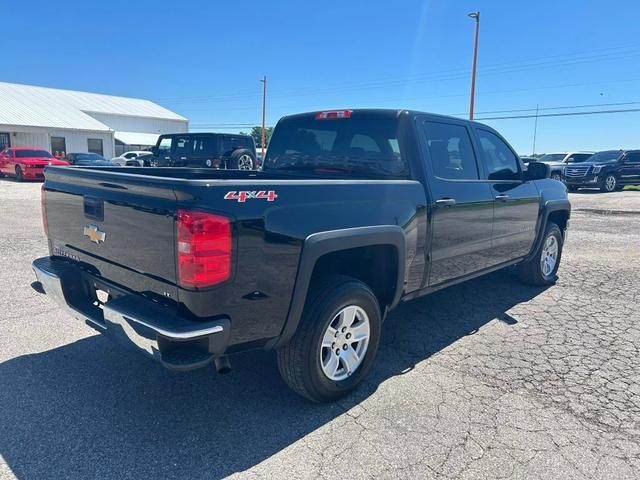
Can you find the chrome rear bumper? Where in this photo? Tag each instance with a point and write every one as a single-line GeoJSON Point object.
{"type": "Point", "coordinates": [156, 330]}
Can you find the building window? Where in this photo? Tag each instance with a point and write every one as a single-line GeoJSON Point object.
{"type": "Point", "coordinates": [95, 145]}
{"type": "Point", "coordinates": [5, 140]}
{"type": "Point", "coordinates": [58, 146]}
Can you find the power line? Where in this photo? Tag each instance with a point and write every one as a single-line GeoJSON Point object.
{"type": "Point", "coordinates": [564, 114]}
{"type": "Point", "coordinates": [616, 104]}
{"type": "Point", "coordinates": [444, 75]}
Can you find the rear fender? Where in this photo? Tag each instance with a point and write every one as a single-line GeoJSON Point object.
{"type": "Point", "coordinates": [319, 244]}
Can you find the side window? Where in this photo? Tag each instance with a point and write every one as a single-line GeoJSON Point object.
{"type": "Point", "coordinates": [202, 146]}
{"type": "Point", "coordinates": [633, 157]}
{"type": "Point", "coordinates": [164, 147]}
{"type": "Point", "coordinates": [451, 152]}
{"type": "Point", "coordinates": [181, 146]}
{"type": "Point", "coordinates": [501, 162]}
{"type": "Point", "coordinates": [94, 145]}
{"type": "Point", "coordinates": [58, 146]}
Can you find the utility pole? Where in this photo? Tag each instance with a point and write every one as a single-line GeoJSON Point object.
{"type": "Point", "coordinates": [476, 16]}
{"type": "Point", "coordinates": [264, 108]}
{"type": "Point", "coordinates": [535, 131]}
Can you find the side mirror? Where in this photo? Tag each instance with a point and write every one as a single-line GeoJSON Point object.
{"type": "Point", "coordinates": [537, 171]}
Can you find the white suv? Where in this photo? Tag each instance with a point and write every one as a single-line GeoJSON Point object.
{"type": "Point", "coordinates": [128, 156]}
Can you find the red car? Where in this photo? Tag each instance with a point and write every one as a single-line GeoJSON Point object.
{"type": "Point", "coordinates": [26, 163]}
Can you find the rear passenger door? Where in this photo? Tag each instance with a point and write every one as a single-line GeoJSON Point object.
{"type": "Point", "coordinates": [630, 170]}
{"type": "Point", "coordinates": [516, 202]}
{"type": "Point", "coordinates": [462, 204]}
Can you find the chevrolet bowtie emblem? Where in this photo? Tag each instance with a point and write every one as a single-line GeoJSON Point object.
{"type": "Point", "coordinates": [93, 233]}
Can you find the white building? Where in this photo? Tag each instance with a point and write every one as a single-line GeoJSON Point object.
{"type": "Point", "coordinates": [70, 121]}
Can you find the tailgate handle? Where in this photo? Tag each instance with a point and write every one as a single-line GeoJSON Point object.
{"type": "Point", "coordinates": [94, 208]}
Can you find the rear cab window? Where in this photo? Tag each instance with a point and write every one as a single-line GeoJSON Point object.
{"type": "Point", "coordinates": [451, 151]}
{"type": "Point", "coordinates": [361, 144]}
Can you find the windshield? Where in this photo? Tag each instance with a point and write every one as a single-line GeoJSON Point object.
{"type": "Point", "coordinates": [552, 157]}
{"type": "Point", "coordinates": [364, 144]}
{"type": "Point", "coordinates": [33, 154]}
{"type": "Point", "coordinates": [88, 156]}
{"type": "Point", "coordinates": [606, 157]}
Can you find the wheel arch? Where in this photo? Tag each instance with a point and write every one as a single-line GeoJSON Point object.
{"type": "Point", "coordinates": [321, 251]}
{"type": "Point", "coordinates": [557, 211]}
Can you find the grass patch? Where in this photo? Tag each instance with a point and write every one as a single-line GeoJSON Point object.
{"type": "Point", "coordinates": [632, 187]}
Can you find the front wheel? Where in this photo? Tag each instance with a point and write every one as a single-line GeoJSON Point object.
{"type": "Point", "coordinates": [609, 183]}
{"type": "Point", "coordinates": [542, 268]}
{"type": "Point", "coordinates": [336, 340]}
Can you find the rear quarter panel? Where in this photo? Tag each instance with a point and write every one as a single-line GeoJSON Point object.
{"type": "Point", "coordinates": [269, 238]}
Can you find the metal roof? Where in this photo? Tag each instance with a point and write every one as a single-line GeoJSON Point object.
{"type": "Point", "coordinates": [134, 138]}
{"type": "Point", "coordinates": [28, 105]}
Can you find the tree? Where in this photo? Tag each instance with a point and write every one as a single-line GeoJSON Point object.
{"type": "Point", "coordinates": [256, 133]}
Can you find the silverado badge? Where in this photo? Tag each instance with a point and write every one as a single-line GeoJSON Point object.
{"type": "Point", "coordinates": [93, 233]}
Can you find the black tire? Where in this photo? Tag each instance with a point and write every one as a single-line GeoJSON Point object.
{"type": "Point", "coordinates": [19, 174]}
{"type": "Point", "coordinates": [556, 176]}
{"type": "Point", "coordinates": [242, 159]}
{"type": "Point", "coordinates": [299, 361]}
{"type": "Point", "coordinates": [609, 183]}
{"type": "Point", "coordinates": [572, 188]}
{"type": "Point", "coordinates": [531, 271]}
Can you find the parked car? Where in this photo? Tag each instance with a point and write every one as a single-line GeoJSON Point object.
{"type": "Point", "coordinates": [526, 160]}
{"type": "Point", "coordinates": [26, 163]}
{"type": "Point", "coordinates": [558, 161]}
{"type": "Point", "coordinates": [140, 161]}
{"type": "Point", "coordinates": [354, 211]}
{"type": "Point", "coordinates": [128, 156]}
{"type": "Point", "coordinates": [609, 170]}
{"type": "Point", "coordinates": [206, 150]}
{"type": "Point", "coordinates": [88, 160]}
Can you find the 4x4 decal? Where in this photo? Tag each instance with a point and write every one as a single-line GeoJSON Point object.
{"type": "Point", "coordinates": [243, 196]}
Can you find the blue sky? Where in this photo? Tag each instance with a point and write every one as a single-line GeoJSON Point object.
{"type": "Point", "coordinates": [205, 59]}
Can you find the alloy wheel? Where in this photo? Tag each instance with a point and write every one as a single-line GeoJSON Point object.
{"type": "Point", "coordinates": [245, 162]}
{"type": "Point", "coordinates": [610, 183]}
{"type": "Point", "coordinates": [344, 343]}
{"type": "Point", "coordinates": [549, 256]}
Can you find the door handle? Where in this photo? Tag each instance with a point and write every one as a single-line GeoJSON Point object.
{"type": "Point", "coordinates": [446, 202]}
{"type": "Point", "coordinates": [502, 197]}
{"type": "Point", "coordinates": [183, 158]}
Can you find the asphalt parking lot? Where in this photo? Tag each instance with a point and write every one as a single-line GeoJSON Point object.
{"type": "Point", "coordinates": [488, 379]}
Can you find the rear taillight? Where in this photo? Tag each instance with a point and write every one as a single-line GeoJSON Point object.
{"type": "Point", "coordinates": [45, 225]}
{"type": "Point", "coordinates": [204, 249]}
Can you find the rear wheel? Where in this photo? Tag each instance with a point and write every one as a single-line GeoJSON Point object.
{"type": "Point", "coordinates": [542, 268]}
{"type": "Point", "coordinates": [19, 174]}
{"type": "Point", "coordinates": [336, 340]}
{"type": "Point", "coordinates": [609, 183]}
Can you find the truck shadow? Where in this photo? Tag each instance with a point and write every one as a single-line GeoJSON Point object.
{"type": "Point", "coordinates": [92, 410]}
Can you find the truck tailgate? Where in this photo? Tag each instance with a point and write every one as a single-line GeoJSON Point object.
{"type": "Point", "coordinates": [110, 228]}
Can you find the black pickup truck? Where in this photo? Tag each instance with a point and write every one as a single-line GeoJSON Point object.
{"type": "Point", "coordinates": [355, 211]}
